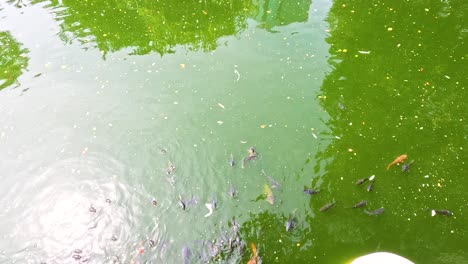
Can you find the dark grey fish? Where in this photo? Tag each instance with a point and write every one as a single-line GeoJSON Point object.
{"type": "Point", "coordinates": [252, 156]}
{"type": "Point", "coordinates": [151, 243]}
{"type": "Point", "coordinates": [360, 204]}
{"type": "Point", "coordinates": [361, 181]}
{"type": "Point", "coordinates": [154, 202]}
{"type": "Point", "coordinates": [290, 224]}
{"type": "Point", "coordinates": [370, 186]}
{"type": "Point", "coordinates": [406, 166]}
{"type": "Point", "coordinates": [231, 161]}
{"type": "Point", "coordinates": [77, 251]}
{"type": "Point", "coordinates": [310, 191]}
{"type": "Point", "coordinates": [163, 151]}
{"type": "Point", "coordinates": [76, 257]}
{"type": "Point", "coordinates": [186, 254]}
{"type": "Point", "coordinates": [441, 212]}
{"type": "Point", "coordinates": [232, 191]}
{"type": "Point", "coordinates": [274, 184]}
{"type": "Point", "coordinates": [114, 238]}
{"type": "Point", "coordinates": [108, 201]}
{"type": "Point", "coordinates": [92, 209]}
{"type": "Point", "coordinates": [375, 212]}
{"type": "Point", "coordinates": [184, 203]}
{"type": "Point", "coordinates": [234, 226]}
{"type": "Point", "coordinates": [327, 206]}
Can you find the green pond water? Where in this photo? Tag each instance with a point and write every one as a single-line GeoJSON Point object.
{"type": "Point", "coordinates": [98, 98]}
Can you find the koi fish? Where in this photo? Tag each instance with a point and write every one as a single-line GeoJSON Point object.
{"type": "Point", "coordinates": [254, 258]}
{"type": "Point", "coordinates": [375, 212]}
{"type": "Point", "coordinates": [361, 181]}
{"type": "Point", "coordinates": [327, 206]}
{"type": "Point", "coordinates": [290, 224]}
{"type": "Point", "coordinates": [360, 204]}
{"type": "Point", "coordinates": [269, 194]}
{"type": "Point", "coordinates": [397, 160]}
{"type": "Point", "coordinates": [441, 212]}
{"type": "Point", "coordinates": [252, 156]}
{"type": "Point", "coordinates": [406, 167]}
{"type": "Point", "coordinates": [310, 191]}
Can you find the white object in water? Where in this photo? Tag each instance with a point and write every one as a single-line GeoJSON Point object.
{"type": "Point", "coordinates": [381, 258]}
{"type": "Point", "coordinates": [210, 209]}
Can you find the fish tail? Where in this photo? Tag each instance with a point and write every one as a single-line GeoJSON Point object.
{"type": "Point", "coordinates": [254, 249]}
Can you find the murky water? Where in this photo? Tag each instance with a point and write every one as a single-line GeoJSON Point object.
{"type": "Point", "coordinates": [99, 98]}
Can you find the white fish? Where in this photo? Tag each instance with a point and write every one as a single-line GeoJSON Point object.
{"type": "Point", "coordinates": [315, 136]}
{"type": "Point", "coordinates": [364, 51]}
{"type": "Point", "coordinates": [210, 208]}
{"type": "Point", "coordinates": [371, 177]}
{"type": "Point", "coordinates": [238, 74]}
{"type": "Point", "coordinates": [433, 212]}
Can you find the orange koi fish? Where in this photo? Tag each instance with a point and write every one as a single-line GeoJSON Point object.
{"type": "Point", "coordinates": [254, 259]}
{"type": "Point", "coordinates": [397, 160]}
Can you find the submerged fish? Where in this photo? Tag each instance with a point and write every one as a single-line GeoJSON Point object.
{"type": "Point", "coordinates": [441, 212]}
{"type": "Point", "coordinates": [361, 181]}
{"type": "Point", "coordinates": [310, 191]}
{"type": "Point", "coordinates": [170, 168]}
{"type": "Point", "coordinates": [186, 254]}
{"type": "Point", "coordinates": [254, 259]}
{"type": "Point", "coordinates": [406, 167]}
{"type": "Point", "coordinates": [231, 161]}
{"type": "Point", "coordinates": [375, 212]}
{"type": "Point", "coordinates": [184, 203]}
{"type": "Point", "coordinates": [399, 159]}
{"type": "Point", "coordinates": [269, 194]}
{"type": "Point", "coordinates": [327, 206]}
{"type": "Point", "coordinates": [232, 191]}
{"type": "Point", "coordinates": [290, 224]}
{"type": "Point", "coordinates": [360, 204]}
{"type": "Point", "coordinates": [370, 186]}
{"type": "Point", "coordinates": [252, 156]}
